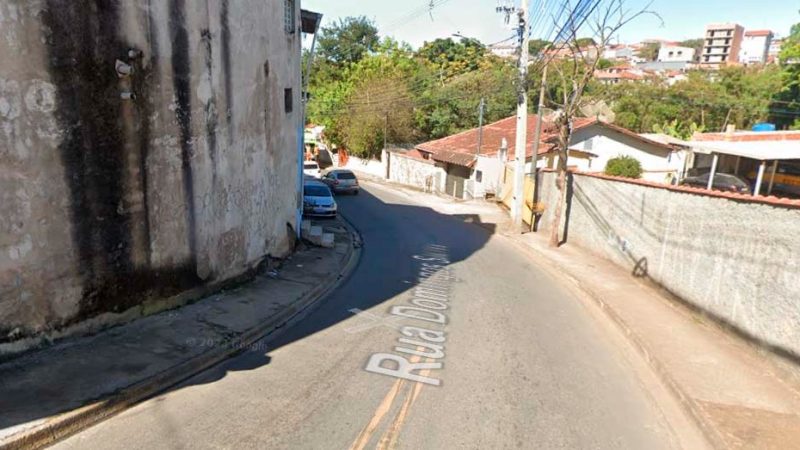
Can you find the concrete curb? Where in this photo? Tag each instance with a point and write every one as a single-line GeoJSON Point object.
{"type": "Point", "coordinates": [72, 422]}
{"type": "Point", "coordinates": [710, 432]}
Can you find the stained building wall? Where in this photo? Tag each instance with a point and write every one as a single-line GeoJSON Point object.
{"type": "Point", "coordinates": [107, 202]}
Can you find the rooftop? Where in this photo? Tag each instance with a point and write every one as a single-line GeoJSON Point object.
{"type": "Point", "coordinates": [462, 148]}
{"type": "Point", "coordinates": [759, 145]}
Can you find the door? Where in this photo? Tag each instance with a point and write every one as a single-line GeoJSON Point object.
{"type": "Point", "coordinates": [454, 182]}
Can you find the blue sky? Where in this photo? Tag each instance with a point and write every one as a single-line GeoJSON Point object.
{"type": "Point", "coordinates": [683, 19]}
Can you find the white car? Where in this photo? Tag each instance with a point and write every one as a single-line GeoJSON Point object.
{"type": "Point", "coordinates": [318, 200]}
{"type": "Point", "coordinates": [311, 169]}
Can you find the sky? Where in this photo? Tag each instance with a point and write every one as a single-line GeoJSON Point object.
{"type": "Point", "coordinates": [682, 19]}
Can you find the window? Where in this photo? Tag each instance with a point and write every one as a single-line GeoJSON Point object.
{"type": "Point", "coordinates": [588, 144]}
{"type": "Point", "coordinates": [287, 100]}
{"type": "Point", "coordinates": [288, 16]}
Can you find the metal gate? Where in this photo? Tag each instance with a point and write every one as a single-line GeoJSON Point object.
{"type": "Point", "coordinates": [454, 182]}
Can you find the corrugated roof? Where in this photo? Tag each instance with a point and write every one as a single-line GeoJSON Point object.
{"type": "Point", "coordinates": [759, 150]}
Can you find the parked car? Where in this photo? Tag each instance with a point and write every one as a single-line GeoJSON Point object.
{"type": "Point", "coordinates": [311, 169]}
{"type": "Point", "coordinates": [341, 181]}
{"type": "Point", "coordinates": [722, 182]}
{"type": "Point", "coordinates": [318, 200]}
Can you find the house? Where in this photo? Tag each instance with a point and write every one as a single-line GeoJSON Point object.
{"type": "Point", "coordinates": [158, 154]}
{"type": "Point", "coordinates": [469, 172]}
{"type": "Point", "coordinates": [675, 53]}
{"type": "Point", "coordinates": [755, 47]}
{"type": "Point", "coordinates": [774, 50]}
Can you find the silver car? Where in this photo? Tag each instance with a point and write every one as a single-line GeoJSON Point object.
{"type": "Point", "coordinates": [341, 181]}
{"type": "Point", "coordinates": [318, 200]}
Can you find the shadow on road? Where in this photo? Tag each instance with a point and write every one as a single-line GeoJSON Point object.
{"type": "Point", "coordinates": [392, 232]}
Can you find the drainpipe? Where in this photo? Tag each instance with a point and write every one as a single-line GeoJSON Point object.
{"type": "Point", "coordinates": [317, 17]}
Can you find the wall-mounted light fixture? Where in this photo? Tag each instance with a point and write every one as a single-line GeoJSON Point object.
{"type": "Point", "coordinates": [123, 69]}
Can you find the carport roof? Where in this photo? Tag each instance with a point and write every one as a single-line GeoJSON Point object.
{"type": "Point", "coordinates": [758, 150]}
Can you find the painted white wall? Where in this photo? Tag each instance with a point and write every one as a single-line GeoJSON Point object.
{"type": "Point", "coordinates": [674, 53]}
{"type": "Point", "coordinates": [492, 170]}
{"type": "Point", "coordinates": [754, 49]}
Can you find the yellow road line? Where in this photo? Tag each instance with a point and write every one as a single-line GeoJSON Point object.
{"type": "Point", "coordinates": [385, 406]}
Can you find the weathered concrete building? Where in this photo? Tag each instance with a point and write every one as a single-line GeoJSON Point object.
{"type": "Point", "coordinates": [146, 148]}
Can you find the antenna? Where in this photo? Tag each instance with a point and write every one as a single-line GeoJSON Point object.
{"type": "Point", "coordinates": [507, 8]}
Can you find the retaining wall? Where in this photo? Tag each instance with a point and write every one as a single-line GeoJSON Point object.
{"type": "Point", "coordinates": [733, 256]}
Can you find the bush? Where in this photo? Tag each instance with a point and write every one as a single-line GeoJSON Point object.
{"type": "Point", "coordinates": [624, 166]}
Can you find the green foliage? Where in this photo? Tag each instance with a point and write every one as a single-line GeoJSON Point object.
{"type": "Point", "coordinates": [348, 40]}
{"type": "Point", "coordinates": [604, 63]}
{"type": "Point", "coordinates": [585, 42]}
{"type": "Point", "coordinates": [451, 57]}
{"type": "Point", "coordinates": [678, 129]}
{"type": "Point", "coordinates": [650, 51]}
{"type": "Point", "coordinates": [787, 101]}
{"type": "Point", "coordinates": [734, 95]}
{"type": "Point", "coordinates": [535, 46]}
{"type": "Point", "coordinates": [624, 166]}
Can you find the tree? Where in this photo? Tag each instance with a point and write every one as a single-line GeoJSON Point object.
{"type": "Point", "coordinates": [348, 40]}
{"type": "Point", "coordinates": [573, 76]}
{"type": "Point", "coordinates": [535, 46]}
{"type": "Point", "coordinates": [451, 57]}
{"type": "Point", "coordinates": [649, 51]}
{"type": "Point", "coordinates": [786, 104]}
{"type": "Point", "coordinates": [379, 106]}
{"type": "Point", "coordinates": [624, 166]}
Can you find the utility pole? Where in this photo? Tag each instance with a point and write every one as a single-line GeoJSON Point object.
{"type": "Point", "coordinates": [536, 137]}
{"type": "Point", "coordinates": [480, 124]}
{"type": "Point", "coordinates": [522, 120]}
{"type": "Point", "coordinates": [385, 127]}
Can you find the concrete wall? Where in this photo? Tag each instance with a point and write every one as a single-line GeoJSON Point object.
{"type": "Point", "coordinates": [105, 202]}
{"type": "Point", "coordinates": [426, 175]}
{"type": "Point", "coordinates": [492, 171]}
{"type": "Point", "coordinates": [372, 167]}
{"type": "Point", "coordinates": [736, 260]}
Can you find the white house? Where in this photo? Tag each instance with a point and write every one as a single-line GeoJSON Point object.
{"type": "Point", "coordinates": [674, 53]}
{"type": "Point", "coordinates": [755, 47]}
{"type": "Point", "coordinates": [594, 144]}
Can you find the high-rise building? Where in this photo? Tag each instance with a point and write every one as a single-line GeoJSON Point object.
{"type": "Point", "coordinates": [722, 43]}
{"type": "Point", "coordinates": [755, 46]}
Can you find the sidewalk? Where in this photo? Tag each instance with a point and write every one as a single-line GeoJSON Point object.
{"type": "Point", "coordinates": [740, 396]}
{"type": "Point", "coordinates": [47, 395]}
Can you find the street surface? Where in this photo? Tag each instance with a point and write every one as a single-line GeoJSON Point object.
{"type": "Point", "coordinates": [524, 364]}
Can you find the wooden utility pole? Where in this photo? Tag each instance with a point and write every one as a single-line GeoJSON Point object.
{"type": "Point", "coordinates": [536, 137]}
{"type": "Point", "coordinates": [480, 124]}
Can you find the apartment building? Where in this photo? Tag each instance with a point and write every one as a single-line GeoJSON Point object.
{"type": "Point", "coordinates": [755, 46]}
{"type": "Point", "coordinates": [722, 44]}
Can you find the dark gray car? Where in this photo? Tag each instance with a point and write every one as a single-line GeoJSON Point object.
{"type": "Point", "coordinates": [722, 182]}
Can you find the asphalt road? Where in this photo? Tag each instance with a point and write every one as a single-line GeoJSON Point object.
{"type": "Point", "coordinates": [525, 363]}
